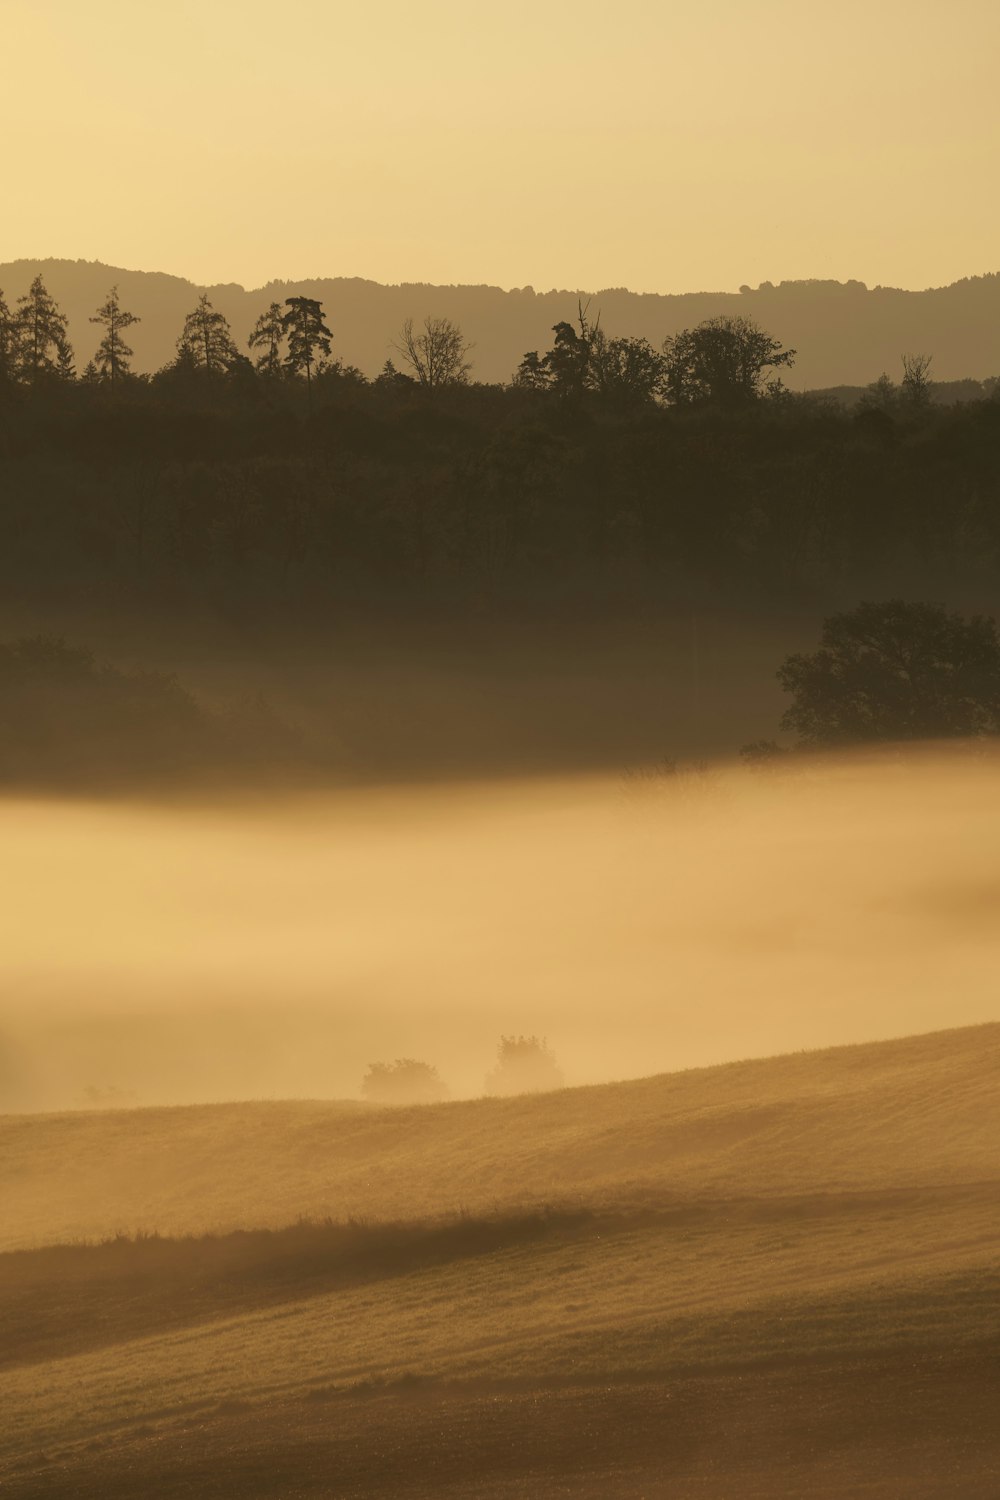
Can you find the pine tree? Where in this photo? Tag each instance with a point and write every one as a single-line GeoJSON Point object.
{"type": "Point", "coordinates": [8, 344]}
{"type": "Point", "coordinates": [113, 354]}
{"type": "Point", "coordinates": [43, 349]}
{"type": "Point", "coordinates": [307, 333]}
{"type": "Point", "coordinates": [268, 335]}
{"type": "Point", "coordinates": [206, 343]}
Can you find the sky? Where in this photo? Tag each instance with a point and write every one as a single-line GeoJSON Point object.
{"type": "Point", "coordinates": [651, 144]}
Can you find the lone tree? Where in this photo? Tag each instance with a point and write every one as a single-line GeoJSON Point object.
{"type": "Point", "coordinates": [206, 343]}
{"type": "Point", "coordinates": [405, 1081]}
{"type": "Point", "coordinates": [111, 361]}
{"type": "Point", "coordinates": [723, 361]}
{"type": "Point", "coordinates": [437, 355]}
{"type": "Point", "coordinates": [43, 349]}
{"type": "Point", "coordinates": [916, 384]}
{"type": "Point", "coordinates": [307, 335]}
{"type": "Point", "coordinates": [268, 335]}
{"type": "Point", "coordinates": [895, 671]}
{"type": "Point", "coordinates": [525, 1065]}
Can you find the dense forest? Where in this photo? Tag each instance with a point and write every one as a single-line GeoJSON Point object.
{"type": "Point", "coordinates": [276, 478]}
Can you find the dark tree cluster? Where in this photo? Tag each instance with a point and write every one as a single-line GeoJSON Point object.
{"type": "Point", "coordinates": [606, 469]}
{"type": "Point", "coordinates": [897, 672]}
{"type": "Point", "coordinates": [66, 718]}
{"type": "Point", "coordinates": [723, 361]}
{"type": "Point", "coordinates": [525, 1065]}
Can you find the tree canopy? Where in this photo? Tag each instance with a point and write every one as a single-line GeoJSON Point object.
{"type": "Point", "coordinates": [895, 671]}
{"type": "Point", "coordinates": [525, 1065]}
{"type": "Point", "coordinates": [267, 336]}
{"type": "Point", "coordinates": [307, 334]}
{"type": "Point", "coordinates": [40, 342]}
{"type": "Point", "coordinates": [206, 343]}
{"type": "Point", "coordinates": [405, 1081]}
{"type": "Point", "coordinates": [111, 362]}
{"type": "Point", "coordinates": [437, 354]}
{"type": "Point", "coordinates": [723, 360]}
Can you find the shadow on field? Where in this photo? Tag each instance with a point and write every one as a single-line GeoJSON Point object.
{"type": "Point", "coordinates": [62, 1299]}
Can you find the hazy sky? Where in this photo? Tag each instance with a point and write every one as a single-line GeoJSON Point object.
{"type": "Point", "coordinates": [650, 144]}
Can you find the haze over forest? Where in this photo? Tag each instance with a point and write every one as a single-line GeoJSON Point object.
{"type": "Point", "coordinates": [845, 333]}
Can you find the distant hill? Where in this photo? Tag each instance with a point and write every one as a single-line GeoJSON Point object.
{"type": "Point", "coordinates": [845, 333]}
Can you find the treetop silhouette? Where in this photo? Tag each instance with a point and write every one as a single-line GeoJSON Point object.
{"type": "Point", "coordinates": [895, 671]}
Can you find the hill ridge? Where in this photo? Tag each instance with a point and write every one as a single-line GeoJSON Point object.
{"type": "Point", "coordinates": [845, 332]}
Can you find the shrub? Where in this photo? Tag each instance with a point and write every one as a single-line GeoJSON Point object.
{"type": "Point", "coordinates": [405, 1081]}
{"type": "Point", "coordinates": [525, 1065]}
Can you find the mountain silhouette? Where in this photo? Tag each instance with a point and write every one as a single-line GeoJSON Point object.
{"type": "Point", "coordinates": [845, 332]}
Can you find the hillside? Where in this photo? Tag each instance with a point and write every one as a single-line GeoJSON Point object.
{"type": "Point", "coordinates": [765, 1279]}
{"type": "Point", "coordinates": [845, 333]}
{"type": "Point", "coordinates": [922, 1111]}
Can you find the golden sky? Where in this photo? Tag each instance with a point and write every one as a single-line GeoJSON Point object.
{"type": "Point", "coordinates": [649, 144]}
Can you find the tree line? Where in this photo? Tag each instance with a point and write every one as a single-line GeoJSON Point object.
{"type": "Point", "coordinates": [604, 469]}
{"type": "Point", "coordinates": [724, 360]}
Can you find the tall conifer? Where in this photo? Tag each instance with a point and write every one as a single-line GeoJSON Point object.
{"type": "Point", "coordinates": [268, 336]}
{"type": "Point", "coordinates": [113, 354]}
{"type": "Point", "coordinates": [307, 334]}
{"type": "Point", "coordinates": [8, 344]}
{"type": "Point", "coordinates": [206, 343]}
{"type": "Point", "coordinates": [43, 348]}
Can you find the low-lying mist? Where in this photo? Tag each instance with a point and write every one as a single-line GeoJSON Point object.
{"type": "Point", "coordinates": [641, 922]}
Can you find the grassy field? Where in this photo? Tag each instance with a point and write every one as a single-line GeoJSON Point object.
{"type": "Point", "coordinates": [761, 1279]}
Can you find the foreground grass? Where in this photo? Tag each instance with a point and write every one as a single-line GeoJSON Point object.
{"type": "Point", "coordinates": [755, 1293]}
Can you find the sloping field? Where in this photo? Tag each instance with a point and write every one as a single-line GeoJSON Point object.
{"type": "Point", "coordinates": [923, 1110]}
{"type": "Point", "coordinates": [763, 1279]}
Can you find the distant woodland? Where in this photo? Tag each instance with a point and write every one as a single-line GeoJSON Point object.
{"type": "Point", "coordinates": [266, 473]}
{"type": "Point", "coordinates": [846, 334]}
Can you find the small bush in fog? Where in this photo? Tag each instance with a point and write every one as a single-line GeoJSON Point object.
{"type": "Point", "coordinates": [525, 1065]}
{"type": "Point", "coordinates": [762, 755]}
{"type": "Point", "coordinates": [405, 1081]}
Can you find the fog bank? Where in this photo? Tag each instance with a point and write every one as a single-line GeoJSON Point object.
{"type": "Point", "coordinates": [641, 922]}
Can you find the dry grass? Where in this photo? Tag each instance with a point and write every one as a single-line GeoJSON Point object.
{"type": "Point", "coordinates": [794, 1248]}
